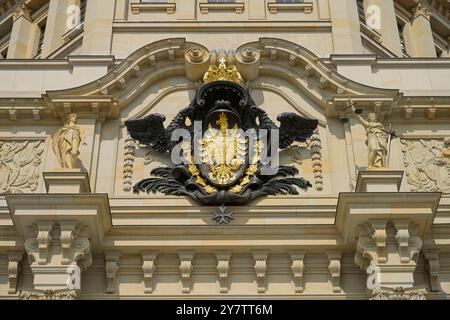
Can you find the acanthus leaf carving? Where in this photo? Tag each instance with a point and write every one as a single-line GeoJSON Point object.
{"type": "Point", "coordinates": [50, 295]}
{"type": "Point", "coordinates": [399, 293]}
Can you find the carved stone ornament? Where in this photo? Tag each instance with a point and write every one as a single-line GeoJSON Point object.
{"type": "Point", "coordinates": [128, 163]}
{"type": "Point", "coordinates": [49, 295]}
{"type": "Point", "coordinates": [186, 268]}
{"type": "Point", "coordinates": [196, 55]}
{"type": "Point", "coordinates": [427, 164]}
{"type": "Point", "coordinates": [261, 269]}
{"type": "Point", "coordinates": [217, 169]}
{"type": "Point", "coordinates": [399, 294]}
{"type": "Point", "coordinates": [19, 165]}
{"type": "Point", "coordinates": [223, 269]}
{"type": "Point", "coordinates": [222, 215]}
{"type": "Point", "coordinates": [149, 269]}
{"type": "Point", "coordinates": [111, 268]}
{"type": "Point", "coordinates": [22, 11]}
{"type": "Point", "coordinates": [420, 10]}
{"type": "Point", "coordinates": [66, 143]}
{"type": "Point", "coordinates": [73, 238]}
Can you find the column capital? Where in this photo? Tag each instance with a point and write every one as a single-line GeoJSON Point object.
{"type": "Point", "coordinates": [420, 10]}
{"type": "Point", "coordinates": [22, 11]}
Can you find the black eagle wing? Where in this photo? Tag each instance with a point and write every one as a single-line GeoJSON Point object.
{"type": "Point", "coordinates": [295, 128]}
{"type": "Point", "coordinates": [150, 131]}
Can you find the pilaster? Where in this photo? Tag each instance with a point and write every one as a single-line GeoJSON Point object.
{"type": "Point", "coordinates": [98, 27]}
{"type": "Point", "coordinates": [23, 35]}
{"type": "Point", "coordinates": [421, 33]}
{"type": "Point", "coordinates": [388, 24]}
{"type": "Point", "coordinates": [345, 27]}
{"type": "Point", "coordinates": [57, 19]}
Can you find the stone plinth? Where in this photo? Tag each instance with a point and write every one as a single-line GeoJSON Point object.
{"type": "Point", "coordinates": [67, 181]}
{"type": "Point", "coordinates": [379, 181]}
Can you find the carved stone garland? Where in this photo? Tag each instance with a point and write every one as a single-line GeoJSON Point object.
{"type": "Point", "coordinates": [315, 144]}
{"type": "Point", "coordinates": [128, 163]}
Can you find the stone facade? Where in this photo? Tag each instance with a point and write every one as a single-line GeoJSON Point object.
{"type": "Point", "coordinates": [79, 232]}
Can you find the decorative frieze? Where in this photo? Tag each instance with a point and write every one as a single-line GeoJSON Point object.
{"type": "Point", "coordinates": [19, 165]}
{"type": "Point", "coordinates": [399, 293]}
{"type": "Point", "coordinates": [223, 269]}
{"type": "Point", "coordinates": [260, 268]}
{"type": "Point", "coordinates": [49, 295]}
{"type": "Point", "coordinates": [149, 268]}
{"type": "Point", "coordinates": [186, 268]}
{"type": "Point", "coordinates": [334, 269]}
{"type": "Point", "coordinates": [297, 267]}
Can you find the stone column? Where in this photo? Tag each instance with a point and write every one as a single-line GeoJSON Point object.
{"type": "Point", "coordinates": [98, 27]}
{"type": "Point", "coordinates": [390, 38]}
{"type": "Point", "coordinates": [24, 34]}
{"type": "Point", "coordinates": [56, 25]}
{"type": "Point", "coordinates": [421, 33]}
{"type": "Point", "coordinates": [345, 27]}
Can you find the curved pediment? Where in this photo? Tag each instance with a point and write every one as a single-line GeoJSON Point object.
{"type": "Point", "coordinates": [169, 58]}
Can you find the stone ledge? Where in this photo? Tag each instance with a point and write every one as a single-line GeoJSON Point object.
{"type": "Point", "coordinates": [136, 8]}
{"type": "Point", "coordinates": [237, 7]}
{"type": "Point", "coordinates": [306, 7]}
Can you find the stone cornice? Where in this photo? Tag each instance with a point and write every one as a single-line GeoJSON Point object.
{"type": "Point", "coordinates": [107, 96]}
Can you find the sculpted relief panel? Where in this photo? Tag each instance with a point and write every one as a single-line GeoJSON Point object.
{"type": "Point", "coordinates": [427, 164]}
{"type": "Point", "coordinates": [19, 165]}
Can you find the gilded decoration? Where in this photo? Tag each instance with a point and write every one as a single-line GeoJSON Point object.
{"type": "Point", "coordinates": [222, 72]}
{"type": "Point", "coordinates": [222, 164]}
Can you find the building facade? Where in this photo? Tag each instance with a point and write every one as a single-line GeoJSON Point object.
{"type": "Point", "coordinates": [373, 224]}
